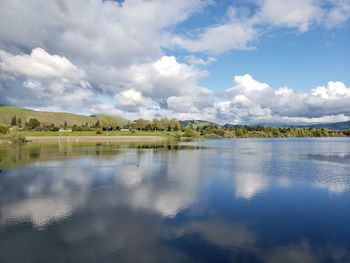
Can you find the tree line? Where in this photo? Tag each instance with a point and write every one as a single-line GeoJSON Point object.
{"type": "Point", "coordinates": [247, 131]}
{"type": "Point", "coordinates": [170, 125]}
{"type": "Point", "coordinates": [162, 124]}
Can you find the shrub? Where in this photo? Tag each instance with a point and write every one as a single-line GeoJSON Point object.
{"type": "Point", "coordinates": [3, 129]}
{"type": "Point", "coordinates": [33, 123]}
{"type": "Point", "coordinates": [16, 137]}
{"type": "Point", "coordinates": [189, 132]}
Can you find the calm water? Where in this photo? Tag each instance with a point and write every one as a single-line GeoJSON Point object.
{"type": "Point", "coordinates": [251, 200]}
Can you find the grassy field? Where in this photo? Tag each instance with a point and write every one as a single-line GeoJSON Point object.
{"type": "Point", "coordinates": [57, 118]}
{"type": "Point", "coordinates": [172, 134]}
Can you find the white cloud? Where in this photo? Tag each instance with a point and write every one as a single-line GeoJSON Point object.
{"type": "Point", "coordinates": [131, 100]}
{"type": "Point", "coordinates": [219, 38]}
{"type": "Point", "coordinates": [338, 14]}
{"type": "Point", "coordinates": [252, 101]}
{"type": "Point", "coordinates": [298, 13]}
{"type": "Point", "coordinates": [302, 14]}
{"type": "Point", "coordinates": [40, 64]}
{"type": "Point", "coordinates": [163, 82]}
{"type": "Point", "coordinates": [117, 46]}
{"type": "Point", "coordinates": [44, 81]}
{"type": "Point", "coordinates": [108, 33]}
{"type": "Point", "coordinates": [193, 101]}
{"type": "Point", "coordinates": [249, 84]}
{"type": "Point", "coordinates": [333, 91]}
{"type": "Point", "coordinates": [161, 78]}
{"type": "Point", "coordinates": [197, 61]}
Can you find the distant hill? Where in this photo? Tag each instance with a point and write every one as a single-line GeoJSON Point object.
{"type": "Point", "coordinates": [57, 118]}
{"type": "Point", "coordinates": [196, 123]}
{"type": "Point", "coordinates": [337, 126]}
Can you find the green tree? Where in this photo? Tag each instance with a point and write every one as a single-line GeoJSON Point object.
{"type": "Point", "coordinates": [325, 132]}
{"type": "Point", "coordinates": [13, 121]}
{"type": "Point", "coordinates": [19, 122]}
{"type": "Point", "coordinates": [164, 122]}
{"type": "Point", "coordinates": [33, 123]}
{"type": "Point", "coordinates": [156, 124]}
{"type": "Point", "coordinates": [148, 127]}
{"type": "Point", "coordinates": [175, 124]}
{"type": "Point", "coordinates": [140, 124]}
{"type": "Point", "coordinates": [97, 124]}
{"type": "Point", "coordinates": [241, 132]}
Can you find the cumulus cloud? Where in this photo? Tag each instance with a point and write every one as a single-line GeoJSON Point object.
{"type": "Point", "coordinates": [131, 100]}
{"type": "Point", "coordinates": [118, 46]}
{"type": "Point", "coordinates": [40, 64]}
{"type": "Point", "coordinates": [299, 13]}
{"type": "Point", "coordinates": [253, 101]}
{"type": "Point", "coordinates": [44, 81]}
{"type": "Point", "coordinates": [109, 32]}
{"type": "Point", "coordinates": [195, 100]}
{"type": "Point", "coordinates": [164, 86]}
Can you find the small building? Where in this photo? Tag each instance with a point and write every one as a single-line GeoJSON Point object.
{"type": "Point", "coordinates": [65, 130]}
{"type": "Point", "coordinates": [124, 130]}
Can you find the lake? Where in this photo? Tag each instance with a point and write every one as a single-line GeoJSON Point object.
{"type": "Point", "coordinates": [242, 200]}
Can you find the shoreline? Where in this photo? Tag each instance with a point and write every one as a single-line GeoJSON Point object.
{"type": "Point", "coordinates": [94, 138]}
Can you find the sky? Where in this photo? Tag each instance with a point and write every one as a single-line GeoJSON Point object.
{"type": "Point", "coordinates": [239, 62]}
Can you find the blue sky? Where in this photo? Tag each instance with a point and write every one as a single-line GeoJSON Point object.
{"type": "Point", "coordinates": [238, 61]}
{"type": "Point", "coordinates": [283, 56]}
{"type": "Point", "coordinates": [288, 58]}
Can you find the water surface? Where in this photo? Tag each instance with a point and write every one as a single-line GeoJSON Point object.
{"type": "Point", "coordinates": [246, 200]}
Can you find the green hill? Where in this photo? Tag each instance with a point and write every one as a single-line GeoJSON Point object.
{"type": "Point", "coordinates": [57, 118]}
{"type": "Point", "coordinates": [338, 126]}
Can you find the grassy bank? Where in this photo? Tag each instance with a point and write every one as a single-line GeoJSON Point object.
{"type": "Point", "coordinates": [142, 135]}
{"type": "Point", "coordinates": [170, 134]}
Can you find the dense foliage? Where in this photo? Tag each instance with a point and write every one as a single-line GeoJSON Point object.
{"type": "Point", "coordinates": [3, 129]}
{"type": "Point", "coordinates": [174, 126]}
{"type": "Point", "coordinates": [268, 132]}
{"type": "Point", "coordinates": [216, 131]}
